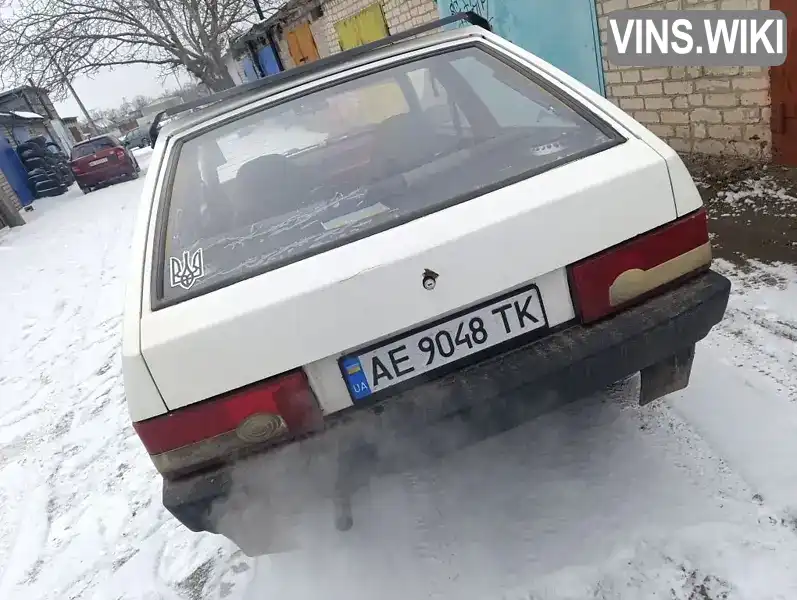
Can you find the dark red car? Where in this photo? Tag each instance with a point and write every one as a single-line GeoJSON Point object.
{"type": "Point", "coordinates": [100, 161]}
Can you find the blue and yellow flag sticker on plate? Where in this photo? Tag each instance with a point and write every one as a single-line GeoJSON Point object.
{"type": "Point", "coordinates": [355, 378]}
{"type": "Point", "coordinates": [355, 368]}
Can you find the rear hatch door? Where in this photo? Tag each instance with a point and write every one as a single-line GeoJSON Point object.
{"type": "Point", "coordinates": [94, 155]}
{"type": "Point", "coordinates": [317, 309]}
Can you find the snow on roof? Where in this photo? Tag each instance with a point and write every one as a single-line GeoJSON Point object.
{"type": "Point", "coordinates": [23, 88]}
{"type": "Point", "coordinates": [6, 116]}
{"type": "Point", "coordinates": [26, 115]}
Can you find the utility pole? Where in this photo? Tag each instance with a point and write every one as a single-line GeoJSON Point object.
{"type": "Point", "coordinates": [75, 96]}
{"type": "Point", "coordinates": [177, 79]}
{"type": "Point", "coordinates": [41, 99]}
{"type": "Point", "coordinates": [259, 10]}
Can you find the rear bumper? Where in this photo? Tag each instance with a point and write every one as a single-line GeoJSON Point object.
{"type": "Point", "coordinates": [476, 402]}
{"type": "Point", "coordinates": [117, 171]}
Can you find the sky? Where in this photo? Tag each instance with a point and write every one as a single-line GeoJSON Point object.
{"type": "Point", "coordinates": [108, 88]}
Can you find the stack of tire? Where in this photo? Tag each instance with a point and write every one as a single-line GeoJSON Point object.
{"type": "Point", "coordinates": [49, 173]}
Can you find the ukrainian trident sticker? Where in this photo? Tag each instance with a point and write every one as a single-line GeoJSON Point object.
{"type": "Point", "coordinates": [184, 272]}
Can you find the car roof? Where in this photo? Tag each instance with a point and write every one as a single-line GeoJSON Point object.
{"type": "Point", "coordinates": [92, 139]}
{"type": "Point", "coordinates": [309, 73]}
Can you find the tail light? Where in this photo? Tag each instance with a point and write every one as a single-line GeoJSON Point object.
{"type": "Point", "coordinates": [251, 418]}
{"type": "Point", "coordinates": [75, 168]}
{"type": "Point", "coordinates": [120, 153]}
{"type": "Point", "coordinates": [632, 271]}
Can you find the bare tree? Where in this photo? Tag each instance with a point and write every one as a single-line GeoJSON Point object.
{"type": "Point", "coordinates": [85, 36]}
{"type": "Point", "coordinates": [140, 101]}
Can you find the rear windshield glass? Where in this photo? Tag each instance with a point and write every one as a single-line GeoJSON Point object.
{"type": "Point", "coordinates": [89, 148]}
{"type": "Point", "coordinates": [342, 163]}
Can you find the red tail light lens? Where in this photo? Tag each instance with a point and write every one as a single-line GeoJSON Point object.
{"type": "Point", "coordinates": [76, 168]}
{"type": "Point", "coordinates": [612, 280]}
{"type": "Point", "coordinates": [120, 153]}
{"type": "Point", "coordinates": [265, 412]}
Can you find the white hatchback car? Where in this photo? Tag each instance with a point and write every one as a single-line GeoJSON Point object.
{"type": "Point", "coordinates": [386, 254]}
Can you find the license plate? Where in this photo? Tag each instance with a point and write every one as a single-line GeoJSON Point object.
{"type": "Point", "coordinates": [99, 161]}
{"type": "Point", "coordinates": [435, 346]}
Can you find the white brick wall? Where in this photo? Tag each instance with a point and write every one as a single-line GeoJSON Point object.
{"type": "Point", "coordinates": [318, 28]}
{"type": "Point", "coordinates": [285, 52]}
{"type": "Point", "coordinates": [7, 194]}
{"type": "Point", "coordinates": [399, 15]}
{"type": "Point", "coordinates": [717, 110]}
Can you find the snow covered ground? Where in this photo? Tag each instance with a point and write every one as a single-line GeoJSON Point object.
{"type": "Point", "coordinates": [693, 498]}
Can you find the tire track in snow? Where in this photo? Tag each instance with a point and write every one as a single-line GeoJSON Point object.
{"type": "Point", "coordinates": [74, 429]}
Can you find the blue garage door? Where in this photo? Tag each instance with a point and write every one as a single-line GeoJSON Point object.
{"type": "Point", "coordinates": [250, 74]}
{"type": "Point", "coordinates": [268, 61]}
{"type": "Point", "coordinates": [562, 32]}
{"type": "Point", "coordinates": [15, 172]}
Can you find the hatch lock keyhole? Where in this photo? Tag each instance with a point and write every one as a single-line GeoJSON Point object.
{"type": "Point", "coordinates": [429, 279]}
